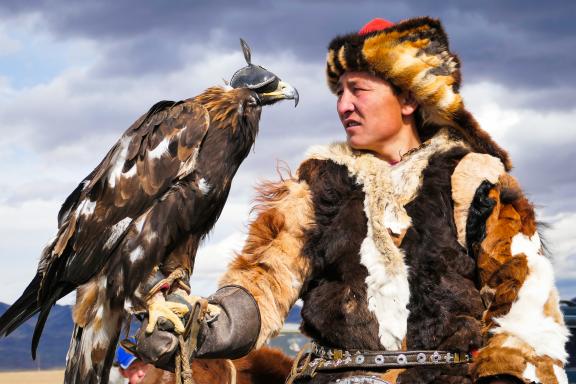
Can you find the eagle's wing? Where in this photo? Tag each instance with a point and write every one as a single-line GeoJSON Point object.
{"type": "Point", "coordinates": [153, 154]}
{"type": "Point", "coordinates": [156, 152]}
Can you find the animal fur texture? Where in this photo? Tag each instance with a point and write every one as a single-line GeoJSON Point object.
{"type": "Point", "coordinates": [262, 366]}
{"type": "Point", "coordinates": [438, 252]}
{"type": "Point", "coordinates": [518, 285]}
{"type": "Point", "coordinates": [271, 253]}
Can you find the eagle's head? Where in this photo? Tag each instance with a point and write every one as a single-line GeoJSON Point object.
{"type": "Point", "coordinates": [267, 85]}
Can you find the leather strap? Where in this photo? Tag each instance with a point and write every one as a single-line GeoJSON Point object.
{"type": "Point", "coordinates": [314, 358]}
{"type": "Point", "coordinates": [332, 358]}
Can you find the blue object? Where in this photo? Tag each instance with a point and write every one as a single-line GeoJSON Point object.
{"type": "Point", "coordinates": [124, 358]}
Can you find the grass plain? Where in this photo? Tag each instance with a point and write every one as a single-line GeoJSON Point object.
{"type": "Point", "coordinates": [32, 377]}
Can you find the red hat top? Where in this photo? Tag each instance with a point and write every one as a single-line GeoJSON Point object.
{"type": "Point", "coordinates": [375, 25]}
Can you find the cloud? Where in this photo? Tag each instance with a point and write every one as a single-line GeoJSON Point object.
{"type": "Point", "coordinates": [541, 143]}
{"type": "Point", "coordinates": [518, 44]}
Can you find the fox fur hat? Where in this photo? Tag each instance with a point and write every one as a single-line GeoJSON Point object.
{"type": "Point", "coordinates": [413, 55]}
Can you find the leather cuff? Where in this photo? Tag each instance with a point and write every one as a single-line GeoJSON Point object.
{"type": "Point", "coordinates": [235, 331]}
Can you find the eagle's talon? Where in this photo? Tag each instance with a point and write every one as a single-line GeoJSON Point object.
{"type": "Point", "coordinates": [169, 310]}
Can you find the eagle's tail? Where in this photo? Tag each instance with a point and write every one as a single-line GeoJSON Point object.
{"type": "Point", "coordinates": [23, 309]}
{"type": "Point", "coordinates": [92, 348]}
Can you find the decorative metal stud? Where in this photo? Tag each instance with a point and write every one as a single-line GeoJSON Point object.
{"type": "Point", "coordinates": [359, 359]}
{"type": "Point", "coordinates": [448, 357]}
{"type": "Point", "coordinates": [338, 354]}
{"type": "Point", "coordinates": [421, 358]}
{"type": "Point", "coordinates": [435, 357]}
{"type": "Point", "coordinates": [402, 359]}
{"type": "Point", "coordinates": [379, 359]}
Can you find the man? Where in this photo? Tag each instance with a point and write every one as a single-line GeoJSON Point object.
{"type": "Point", "coordinates": [415, 253]}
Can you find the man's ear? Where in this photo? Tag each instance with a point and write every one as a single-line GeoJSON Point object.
{"type": "Point", "coordinates": [408, 103]}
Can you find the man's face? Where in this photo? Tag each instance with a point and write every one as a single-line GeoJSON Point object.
{"type": "Point", "coordinates": [135, 372]}
{"type": "Point", "coordinates": [370, 112]}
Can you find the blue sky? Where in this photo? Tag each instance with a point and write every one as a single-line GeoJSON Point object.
{"type": "Point", "coordinates": [74, 75]}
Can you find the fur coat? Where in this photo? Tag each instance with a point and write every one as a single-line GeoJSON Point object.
{"type": "Point", "coordinates": [438, 252]}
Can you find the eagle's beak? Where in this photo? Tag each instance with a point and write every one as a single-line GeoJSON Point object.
{"type": "Point", "coordinates": [282, 91]}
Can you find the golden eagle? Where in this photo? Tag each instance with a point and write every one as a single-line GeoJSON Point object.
{"type": "Point", "coordinates": [132, 227]}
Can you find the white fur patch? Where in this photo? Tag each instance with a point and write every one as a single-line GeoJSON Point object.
{"type": "Point", "coordinates": [388, 296]}
{"type": "Point", "coordinates": [526, 319]}
{"type": "Point", "coordinates": [530, 373]}
{"type": "Point", "coordinates": [136, 254]}
{"type": "Point", "coordinates": [116, 231]}
{"type": "Point", "coordinates": [387, 189]}
{"type": "Point", "coordinates": [160, 149]}
{"type": "Point", "coordinates": [396, 220]}
{"type": "Point", "coordinates": [470, 172]}
{"type": "Point", "coordinates": [560, 374]}
{"type": "Point", "coordinates": [526, 245]}
{"type": "Point", "coordinates": [204, 186]}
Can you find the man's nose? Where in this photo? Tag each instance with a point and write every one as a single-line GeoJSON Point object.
{"type": "Point", "coordinates": [344, 105]}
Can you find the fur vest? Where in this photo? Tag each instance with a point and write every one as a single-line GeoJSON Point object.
{"type": "Point", "coordinates": [437, 252]}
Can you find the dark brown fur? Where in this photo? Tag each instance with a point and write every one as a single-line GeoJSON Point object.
{"type": "Point", "coordinates": [445, 304]}
{"type": "Point", "coordinates": [335, 311]}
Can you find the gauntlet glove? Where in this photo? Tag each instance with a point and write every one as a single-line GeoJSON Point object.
{"type": "Point", "coordinates": [230, 334]}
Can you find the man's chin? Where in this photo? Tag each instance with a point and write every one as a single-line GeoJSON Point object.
{"type": "Point", "coordinates": [354, 144]}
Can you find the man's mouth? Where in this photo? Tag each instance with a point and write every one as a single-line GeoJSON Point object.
{"type": "Point", "coordinates": [350, 123]}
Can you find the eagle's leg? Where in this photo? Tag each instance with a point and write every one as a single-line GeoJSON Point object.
{"type": "Point", "coordinates": [158, 306]}
{"type": "Point", "coordinates": [161, 306]}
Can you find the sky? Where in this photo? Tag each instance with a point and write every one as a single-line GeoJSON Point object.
{"type": "Point", "coordinates": [74, 75]}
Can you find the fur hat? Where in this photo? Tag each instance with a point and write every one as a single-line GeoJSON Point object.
{"type": "Point", "coordinates": [414, 56]}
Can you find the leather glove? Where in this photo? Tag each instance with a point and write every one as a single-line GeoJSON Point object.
{"type": "Point", "coordinates": [230, 335]}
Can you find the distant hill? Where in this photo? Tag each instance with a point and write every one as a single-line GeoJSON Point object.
{"type": "Point", "coordinates": [15, 349]}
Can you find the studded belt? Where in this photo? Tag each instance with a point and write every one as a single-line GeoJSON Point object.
{"type": "Point", "coordinates": [331, 358]}
{"type": "Point", "coordinates": [320, 358]}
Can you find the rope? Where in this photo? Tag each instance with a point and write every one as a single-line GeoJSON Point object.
{"type": "Point", "coordinates": [296, 371]}
{"type": "Point", "coordinates": [185, 374]}
{"type": "Point", "coordinates": [187, 343]}
{"type": "Point", "coordinates": [232, 371]}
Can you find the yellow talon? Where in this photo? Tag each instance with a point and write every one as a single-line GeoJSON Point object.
{"type": "Point", "coordinates": [212, 310]}
{"type": "Point", "coordinates": [159, 307]}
